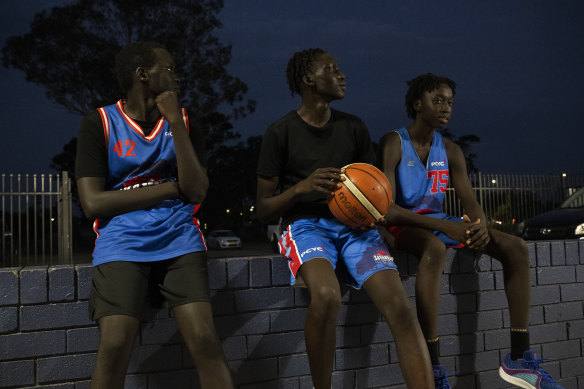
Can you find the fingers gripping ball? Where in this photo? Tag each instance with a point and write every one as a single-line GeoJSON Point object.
{"type": "Point", "coordinates": [364, 197]}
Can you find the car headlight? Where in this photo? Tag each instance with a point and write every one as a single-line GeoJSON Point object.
{"type": "Point", "coordinates": [579, 229]}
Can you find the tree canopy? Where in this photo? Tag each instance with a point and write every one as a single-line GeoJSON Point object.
{"type": "Point", "coordinates": [70, 51]}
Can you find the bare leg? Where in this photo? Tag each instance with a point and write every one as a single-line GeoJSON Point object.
{"type": "Point", "coordinates": [320, 325]}
{"type": "Point", "coordinates": [386, 292]}
{"type": "Point", "coordinates": [117, 335]}
{"type": "Point", "coordinates": [195, 321]}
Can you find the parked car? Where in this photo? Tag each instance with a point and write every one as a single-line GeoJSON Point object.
{"type": "Point", "coordinates": [565, 222]}
{"type": "Point", "coordinates": [223, 239]}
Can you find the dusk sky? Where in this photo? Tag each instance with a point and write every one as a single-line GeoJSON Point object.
{"type": "Point", "coordinates": [518, 65]}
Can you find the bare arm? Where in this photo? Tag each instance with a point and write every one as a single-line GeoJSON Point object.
{"type": "Point", "coordinates": [192, 176]}
{"type": "Point", "coordinates": [390, 146]}
{"type": "Point", "coordinates": [271, 207]}
{"type": "Point", "coordinates": [479, 235]}
{"type": "Point", "coordinates": [100, 203]}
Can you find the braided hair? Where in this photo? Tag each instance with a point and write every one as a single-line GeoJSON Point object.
{"type": "Point", "coordinates": [299, 66]}
{"type": "Point", "coordinates": [424, 83]}
{"type": "Point", "coordinates": [132, 56]}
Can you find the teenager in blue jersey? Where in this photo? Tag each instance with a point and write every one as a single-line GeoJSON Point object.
{"type": "Point", "coordinates": [300, 163]}
{"type": "Point", "coordinates": [141, 175]}
{"type": "Point", "coordinates": [419, 164]}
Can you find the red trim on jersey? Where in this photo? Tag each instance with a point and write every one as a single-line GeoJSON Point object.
{"type": "Point", "coordinates": [294, 260]}
{"type": "Point", "coordinates": [136, 127]}
{"type": "Point", "coordinates": [185, 118]}
{"type": "Point", "coordinates": [106, 129]}
{"type": "Point", "coordinates": [197, 223]}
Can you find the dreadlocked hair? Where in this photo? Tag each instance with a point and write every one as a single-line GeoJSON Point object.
{"type": "Point", "coordinates": [299, 66]}
{"type": "Point", "coordinates": [424, 83]}
{"type": "Point", "coordinates": [132, 56]}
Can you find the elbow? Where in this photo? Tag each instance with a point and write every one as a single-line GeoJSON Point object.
{"type": "Point", "coordinates": [90, 210]}
{"type": "Point", "coordinates": [196, 193]}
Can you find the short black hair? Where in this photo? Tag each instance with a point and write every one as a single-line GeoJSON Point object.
{"type": "Point", "coordinates": [132, 56]}
{"type": "Point", "coordinates": [424, 83]}
{"type": "Point", "coordinates": [299, 66]}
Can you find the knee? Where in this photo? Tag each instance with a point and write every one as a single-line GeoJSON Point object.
{"type": "Point", "coordinates": [204, 342]}
{"type": "Point", "coordinates": [517, 254]}
{"type": "Point", "coordinates": [433, 257]}
{"type": "Point", "coordinates": [116, 342]}
{"type": "Point", "coordinates": [401, 316]}
{"type": "Point", "coordinates": [325, 303]}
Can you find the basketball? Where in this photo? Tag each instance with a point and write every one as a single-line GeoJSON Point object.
{"type": "Point", "coordinates": [364, 197]}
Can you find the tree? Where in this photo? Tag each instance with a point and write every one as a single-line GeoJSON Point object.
{"type": "Point", "coordinates": [465, 142]}
{"type": "Point", "coordinates": [70, 50]}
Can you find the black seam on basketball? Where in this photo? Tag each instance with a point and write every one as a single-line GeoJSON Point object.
{"type": "Point", "coordinates": [375, 178]}
{"type": "Point", "coordinates": [362, 199]}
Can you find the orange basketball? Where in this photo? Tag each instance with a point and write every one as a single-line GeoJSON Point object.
{"type": "Point", "coordinates": [365, 196]}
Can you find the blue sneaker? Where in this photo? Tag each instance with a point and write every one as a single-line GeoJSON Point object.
{"type": "Point", "coordinates": [440, 377]}
{"type": "Point", "coordinates": [526, 373]}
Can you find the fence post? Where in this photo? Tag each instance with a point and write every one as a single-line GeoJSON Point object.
{"type": "Point", "coordinates": [65, 222]}
{"type": "Point", "coordinates": [481, 190]}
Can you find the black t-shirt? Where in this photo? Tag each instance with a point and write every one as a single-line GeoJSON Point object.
{"type": "Point", "coordinates": [91, 159]}
{"type": "Point", "coordinates": [292, 150]}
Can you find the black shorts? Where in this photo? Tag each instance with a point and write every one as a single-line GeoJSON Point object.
{"type": "Point", "coordinates": [122, 288]}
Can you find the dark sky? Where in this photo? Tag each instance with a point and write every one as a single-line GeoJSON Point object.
{"type": "Point", "coordinates": [518, 65]}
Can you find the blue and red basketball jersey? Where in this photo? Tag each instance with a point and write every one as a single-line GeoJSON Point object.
{"type": "Point", "coordinates": [420, 187]}
{"type": "Point", "coordinates": [135, 160]}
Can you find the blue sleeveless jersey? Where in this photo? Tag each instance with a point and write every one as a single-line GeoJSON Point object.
{"type": "Point", "coordinates": [421, 188]}
{"type": "Point", "coordinates": [134, 160]}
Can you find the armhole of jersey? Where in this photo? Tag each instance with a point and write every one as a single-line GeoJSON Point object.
{"type": "Point", "coordinates": [106, 131]}
{"type": "Point", "coordinates": [401, 148]}
{"type": "Point", "coordinates": [185, 118]}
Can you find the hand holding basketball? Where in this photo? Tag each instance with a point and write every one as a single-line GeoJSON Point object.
{"type": "Point", "coordinates": [364, 196]}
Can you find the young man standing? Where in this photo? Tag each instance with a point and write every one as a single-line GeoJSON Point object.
{"type": "Point", "coordinates": [141, 175]}
{"type": "Point", "coordinates": [299, 165]}
{"type": "Point", "coordinates": [419, 162]}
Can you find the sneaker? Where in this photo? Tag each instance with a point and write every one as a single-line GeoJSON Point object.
{"type": "Point", "coordinates": [526, 373]}
{"type": "Point", "coordinates": [440, 375]}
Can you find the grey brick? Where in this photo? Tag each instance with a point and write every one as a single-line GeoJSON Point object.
{"type": "Point", "coordinates": [576, 329]}
{"type": "Point", "coordinates": [531, 251]}
{"type": "Point", "coordinates": [458, 303]}
{"type": "Point", "coordinates": [33, 285]}
{"type": "Point", "coordinates": [492, 300]}
{"type": "Point", "coordinates": [375, 333]}
{"type": "Point", "coordinates": [217, 273]}
{"type": "Point", "coordinates": [9, 286]}
{"type": "Point", "coordinates": [8, 319]}
{"type": "Point", "coordinates": [247, 371]}
{"type": "Point", "coordinates": [572, 255]}
{"type": "Point", "coordinates": [464, 283]}
{"type": "Point", "coordinates": [409, 285]}
{"type": "Point", "coordinates": [572, 292]}
{"type": "Point", "coordinates": [558, 253]}
{"type": "Point", "coordinates": [243, 324]}
{"type": "Point", "coordinates": [235, 347]}
{"type": "Point", "coordinates": [162, 331]}
{"type": "Point", "coordinates": [348, 336]}
{"type": "Point", "coordinates": [81, 340]}
{"type": "Point", "coordinates": [448, 325]}
{"type": "Point", "coordinates": [342, 380]}
{"type": "Point", "coordinates": [34, 344]}
{"type": "Point", "coordinates": [481, 361]}
{"type": "Point", "coordinates": [16, 373]}
{"type": "Point", "coordinates": [491, 380]}
{"type": "Point", "coordinates": [545, 294]}
{"type": "Point", "coordinates": [238, 273]}
{"type": "Point", "coordinates": [379, 376]}
{"type": "Point", "coordinates": [497, 339]}
{"type": "Point", "coordinates": [469, 322]}
{"type": "Point", "coordinates": [543, 252]}
{"type": "Point", "coordinates": [176, 379]}
{"type": "Point", "coordinates": [556, 275]}
{"type": "Point", "coordinates": [61, 283]}
{"type": "Point", "coordinates": [84, 273]}
{"type": "Point", "coordinates": [545, 333]}
{"type": "Point", "coordinates": [572, 367]}
{"type": "Point", "coordinates": [561, 350]}
{"type": "Point", "coordinates": [358, 314]}
{"type": "Point", "coordinates": [301, 297]}
{"type": "Point", "coordinates": [287, 320]}
{"type": "Point", "coordinates": [262, 299]}
{"type": "Point", "coordinates": [280, 271]}
{"type": "Point", "coordinates": [260, 272]}
{"type": "Point", "coordinates": [65, 368]}
{"type": "Point", "coordinates": [153, 358]}
{"type": "Point", "coordinates": [64, 315]}
{"type": "Point", "coordinates": [461, 344]}
{"type": "Point", "coordinates": [223, 302]}
{"type": "Point", "coordinates": [563, 312]}
{"type": "Point", "coordinates": [580, 274]}
{"type": "Point", "coordinates": [282, 383]}
{"type": "Point", "coordinates": [293, 365]}
{"type": "Point", "coordinates": [354, 358]}
{"type": "Point", "coordinates": [268, 345]}
{"type": "Point", "coordinates": [466, 261]}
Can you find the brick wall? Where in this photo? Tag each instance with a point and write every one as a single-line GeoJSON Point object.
{"type": "Point", "coordinates": [47, 341]}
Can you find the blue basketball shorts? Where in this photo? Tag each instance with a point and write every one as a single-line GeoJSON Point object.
{"type": "Point", "coordinates": [362, 253]}
{"type": "Point", "coordinates": [396, 231]}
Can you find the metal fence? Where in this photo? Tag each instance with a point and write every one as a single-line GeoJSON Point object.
{"type": "Point", "coordinates": [36, 212]}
